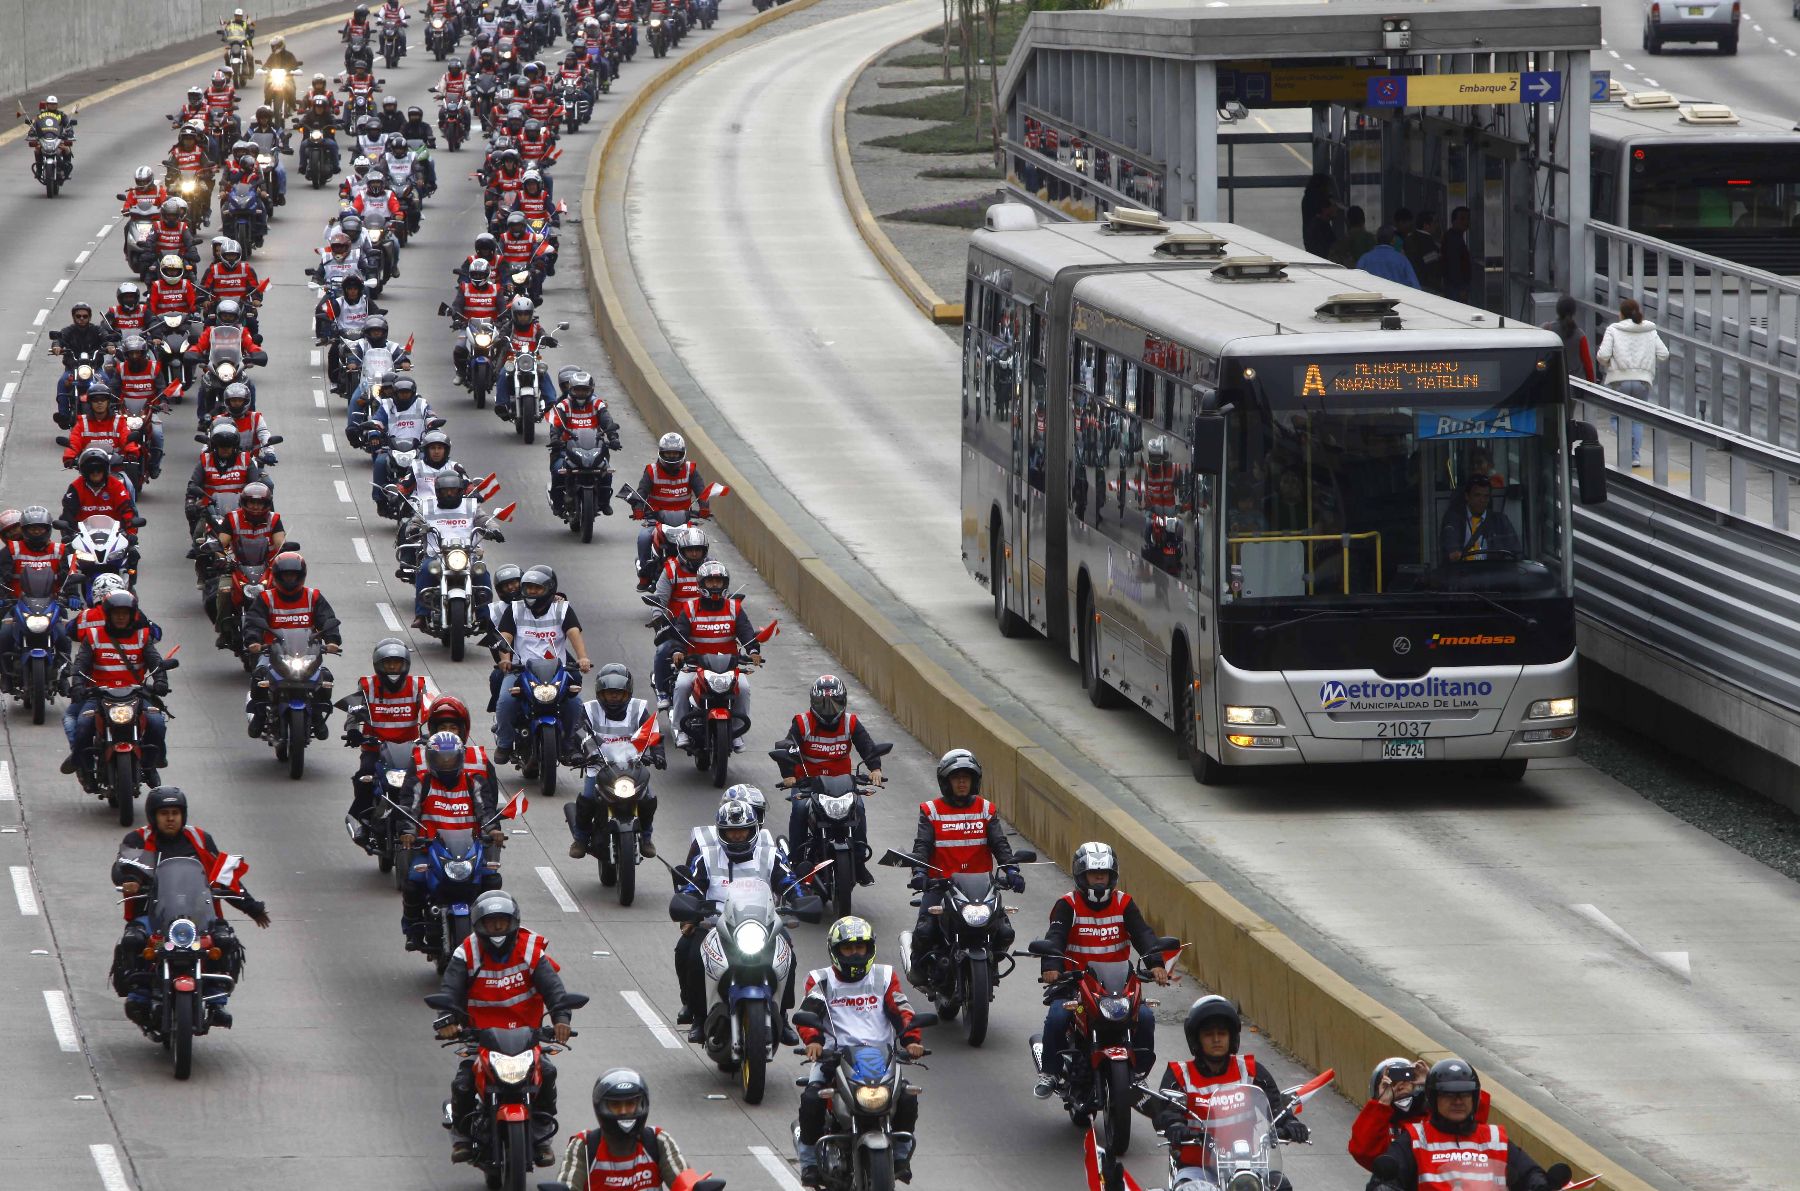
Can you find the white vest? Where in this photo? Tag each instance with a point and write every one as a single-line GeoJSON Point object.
{"type": "Point", "coordinates": [409, 423]}
{"type": "Point", "coordinates": [855, 1013]}
{"type": "Point", "coordinates": [537, 636]}
{"type": "Point", "coordinates": [352, 315]}
{"type": "Point", "coordinates": [637, 712]}
{"type": "Point", "coordinates": [720, 868]}
{"type": "Point", "coordinates": [454, 524]}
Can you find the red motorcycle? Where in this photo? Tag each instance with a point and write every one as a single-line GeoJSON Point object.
{"type": "Point", "coordinates": [1098, 1064]}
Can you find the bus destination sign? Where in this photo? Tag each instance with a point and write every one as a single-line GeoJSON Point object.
{"type": "Point", "coordinates": [1395, 377]}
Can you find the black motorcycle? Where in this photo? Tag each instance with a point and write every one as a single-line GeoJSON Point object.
{"type": "Point", "coordinates": [621, 785]}
{"type": "Point", "coordinates": [584, 478]}
{"type": "Point", "coordinates": [837, 829]}
{"type": "Point", "coordinates": [856, 1153]}
{"type": "Point", "coordinates": [113, 766]}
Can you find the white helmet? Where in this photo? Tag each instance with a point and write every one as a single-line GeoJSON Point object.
{"type": "Point", "coordinates": [671, 448]}
{"type": "Point", "coordinates": [106, 584]}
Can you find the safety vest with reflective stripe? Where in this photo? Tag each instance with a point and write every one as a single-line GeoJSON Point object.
{"type": "Point", "coordinates": [683, 584]}
{"type": "Point", "coordinates": [118, 661]}
{"type": "Point", "coordinates": [638, 1172]}
{"type": "Point", "coordinates": [288, 611]}
{"type": "Point", "coordinates": [394, 717]}
{"type": "Point", "coordinates": [539, 635]}
{"type": "Point", "coordinates": [721, 869]}
{"type": "Point", "coordinates": [826, 751]}
{"type": "Point", "coordinates": [1097, 936]}
{"type": "Point", "coordinates": [217, 481]}
{"type": "Point", "coordinates": [959, 836]}
{"type": "Point", "coordinates": [1448, 1160]}
{"type": "Point", "coordinates": [502, 995]}
{"type": "Point", "coordinates": [712, 631]}
{"type": "Point", "coordinates": [1198, 1089]}
{"type": "Point", "coordinates": [138, 384]}
{"type": "Point", "coordinates": [442, 808]}
{"type": "Point", "coordinates": [671, 494]}
{"type": "Point", "coordinates": [480, 299]}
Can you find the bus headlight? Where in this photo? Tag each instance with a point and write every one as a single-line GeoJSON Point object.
{"type": "Point", "coordinates": [1260, 716]}
{"type": "Point", "coordinates": [1551, 709]}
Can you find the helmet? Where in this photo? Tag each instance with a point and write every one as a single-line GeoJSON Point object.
{"type": "Point", "coordinates": [390, 103]}
{"type": "Point", "coordinates": [1157, 449]}
{"type": "Point", "coordinates": [538, 576]}
{"type": "Point", "coordinates": [275, 43]}
{"type": "Point", "coordinates": [231, 251]}
{"type": "Point", "coordinates": [435, 438]}
{"type": "Point", "coordinates": [49, 101]}
{"type": "Point", "coordinates": [479, 269]}
{"type": "Point", "coordinates": [455, 67]}
{"type": "Point", "coordinates": [532, 127]}
{"type": "Point", "coordinates": [580, 385]}
{"type": "Point", "coordinates": [264, 113]}
{"type": "Point", "coordinates": [35, 525]}
{"type": "Point", "coordinates": [522, 306]}
{"type": "Point", "coordinates": [373, 326]}
{"type": "Point", "coordinates": [9, 524]}
{"type": "Point", "coordinates": [236, 393]}
{"type": "Point", "coordinates": [740, 821]}
{"type": "Point", "coordinates": [170, 210]}
{"type": "Point", "coordinates": [396, 143]}
{"type": "Point", "coordinates": [448, 709]}
{"type": "Point", "coordinates": [350, 279]}
{"type": "Point", "coordinates": [486, 245]}
{"type": "Point", "coordinates": [361, 165]}
{"type": "Point", "coordinates": [143, 175]}
{"type": "Point", "coordinates": [361, 12]}
{"type": "Point", "coordinates": [256, 492]}
{"type": "Point", "coordinates": [450, 488]}
{"type": "Point", "coordinates": [444, 753]}
{"type": "Point", "coordinates": [98, 392]}
{"type": "Point", "coordinates": [378, 180]}
{"type": "Point", "coordinates": [1095, 857]}
{"type": "Point", "coordinates": [829, 698]}
{"type": "Point", "coordinates": [223, 439]}
{"type": "Point", "coordinates": [714, 579]}
{"type": "Point", "coordinates": [847, 932]}
{"type": "Point", "coordinates": [128, 297]}
{"type": "Point", "coordinates": [952, 763]}
{"type": "Point", "coordinates": [319, 80]}
{"type": "Point", "coordinates": [340, 247]}
{"type": "Point", "coordinates": [289, 571]}
{"type": "Point", "coordinates": [614, 678]}
{"type": "Point", "coordinates": [172, 268]}
{"type": "Point", "coordinates": [392, 662]}
{"type": "Point", "coordinates": [506, 581]}
{"type": "Point", "coordinates": [1212, 1008]}
{"type": "Point", "coordinates": [1391, 1069]}
{"type": "Point", "coordinates": [532, 176]}
{"type": "Point", "coordinates": [621, 1105]}
{"type": "Point", "coordinates": [516, 221]}
{"type": "Point", "coordinates": [95, 461]}
{"type": "Point", "coordinates": [351, 225]}
{"type": "Point", "coordinates": [1448, 1077]}
{"type": "Point", "coordinates": [162, 798]}
{"type": "Point", "coordinates": [746, 793]}
{"type": "Point", "coordinates": [403, 391]}
{"type": "Point", "coordinates": [123, 600]}
{"type": "Point", "coordinates": [692, 547]}
{"type": "Point", "coordinates": [496, 903]}
{"type": "Point", "coordinates": [227, 310]}
{"type": "Point", "coordinates": [671, 448]}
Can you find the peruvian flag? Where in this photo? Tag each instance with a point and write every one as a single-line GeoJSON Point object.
{"type": "Point", "coordinates": [516, 806]}
{"type": "Point", "coordinates": [228, 871]}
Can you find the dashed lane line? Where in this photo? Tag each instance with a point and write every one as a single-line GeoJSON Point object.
{"type": "Point", "coordinates": [647, 1014]}
{"type": "Point", "coordinates": [62, 1020]}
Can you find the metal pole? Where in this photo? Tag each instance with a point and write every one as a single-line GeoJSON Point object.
{"type": "Point", "coordinates": [1206, 141]}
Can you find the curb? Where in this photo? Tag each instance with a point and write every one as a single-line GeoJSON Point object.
{"type": "Point", "coordinates": [867, 226]}
{"type": "Point", "coordinates": [1316, 1014]}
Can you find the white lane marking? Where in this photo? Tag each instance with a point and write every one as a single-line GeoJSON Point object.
{"type": "Point", "coordinates": [62, 1021]}
{"type": "Point", "coordinates": [1675, 961]}
{"type": "Point", "coordinates": [362, 550]}
{"type": "Point", "coordinates": [1758, 28]}
{"type": "Point", "coordinates": [82, 256]}
{"type": "Point", "coordinates": [28, 903]}
{"type": "Point", "coordinates": [2, 436]}
{"type": "Point", "coordinates": [6, 394]}
{"type": "Point", "coordinates": [101, 234]}
{"type": "Point", "coordinates": [647, 1015]}
{"type": "Point", "coordinates": [387, 616]}
{"type": "Point", "coordinates": [112, 1171]}
{"type": "Point", "coordinates": [329, 443]}
{"type": "Point", "coordinates": [315, 358]}
{"type": "Point", "coordinates": [1651, 81]}
{"type": "Point", "coordinates": [7, 793]}
{"type": "Point", "coordinates": [24, 351]}
{"type": "Point", "coordinates": [1614, 53]}
{"type": "Point", "coordinates": [343, 491]}
{"type": "Point", "coordinates": [1628, 66]}
{"type": "Point", "coordinates": [1787, 51]}
{"type": "Point", "coordinates": [41, 316]}
{"type": "Point", "coordinates": [777, 1167]}
{"type": "Point", "coordinates": [319, 398]}
{"type": "Point", "coordinates": [60, 286]}
{"type": "Point", "coordinates": [557, 889]}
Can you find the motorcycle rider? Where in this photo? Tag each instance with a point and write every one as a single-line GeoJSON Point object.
{"type": "Point", "coordinates": [34, 550]}
{"type": "Point", "coordinates": [374, 338]}
{"type": "Point", "coordinates": [1095, 923]}
{"type": "Point", "coordinates": [144, 187]}
{"type": "Point", "coordinates": [672, 484]}
{"type": "Point", "coordinates": [81, 336]}
{"type": "Point", "coordinates": [102, 426]}
{"type": "Point", "coordinates": [862, 1004]}
{"type": "Point", "coordinates": [281, 58]}
{"type": "Point", "coordinates": [452, 509]}
{"type": "Point", "coordinates": [224, 470]}
{"type": "Point", "coordinates": [227, 316]}
{"type": "Point", "coordinates": [393, 10]}
{"type": "Point", "coordinates": [127, 313]}
{"type": "Point", "coordinates": [478, 296]}
{"type": "Point", "coordinates": [958, 832]}
{"type": "Point", "coordinates": [539, 624]}
{"type": "Point", "coordinates": [737, 850]}
{"type": "Point", "coordinates": [51, 120]}
{"type": "Point", "coordinates": [524, 333]}
{"type": "Point", "coordinates": [714, 623]}
{"type": "Point", "coordinates": [421, 136]}
{"type": "Point", "coordinates": [288, 604]}
{"type": "Point", "coordinates": [506, 589]}
{"type": "Point", "coordinates": [393, 712]}
{"type": "Point", "coordinates": [823, 735]}
{"type": "Point", "coordinates": [434, 460]}
{"type": "Point", "coordinates": [319, 114]}
{"type": "Point", "coordinates": [238, 27]}
{"type": "Point", "coordinates": [1448, 1128]}
{"type": "Point", "coordinates": [523, 250]}
{"type": "Point", "coordinates": [482, 977]}
{"type": "Point", "coordinates": [253, 430]}
{"type": "Point", "coordinates": [167, 834]}
{"type": "Point", "coordinates": [612, 715]}
{"type": "Point", "coordinates": [624, 1152]}
{"type": "Point", "coordinates": [1213, 1028]}
{"type": "Point", "coordinates": [578, 410]}
{"type": "Point", "coordinates": [357, 25]}
{"type": "Point", "coordinates": [400, 414]}
{"type": "Point", "coordinates": [254, 519]}
{"type": "Point", "coordinates": [232, 279]}
{"type": "Point", "coordinates": [678, 583]}
{"type": "Point", "coordinates": [447, 796]}
{"type": "Point", "coordinates": [118, 653]}
{"type": "Point", "coordinates": [269, 137]}
{"type": "Point", "coordinates": [98, 491]}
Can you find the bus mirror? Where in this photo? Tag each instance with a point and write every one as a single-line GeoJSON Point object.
{"type": "Point", "coordinates": [1590, 472]}
{"type": "Point", "coordinates": [1209, 443]}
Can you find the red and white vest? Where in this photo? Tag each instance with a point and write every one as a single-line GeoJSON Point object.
{"type": "Point", "coordinates": [501, 993]}
{"type": "Point", "coordinates": [1449, 1160]}
{"type": "Point", "coordinates": [713, 631]}
{"type": "Point", "coordinates": [671, 494]}
{"type": "Point", "coordinates": [959, 836]}
{"type": "Point", "coordinates": [446, 808]}
{"type": "Point", "coordinates": [1198, 1089]}
{"type": "Point", "coordinates": [637, 1172]}
{"type": "Point", "coordinates": [825, 751]}
{"type": "Point", "coordinates": [1097, 936]}
{"type": "Point", "coordinates": [393, 716]}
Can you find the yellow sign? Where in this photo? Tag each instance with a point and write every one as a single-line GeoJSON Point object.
{"type": "Point", "coordinates": [1321, 84]}
{"type": "Point", "coordinates": [1444, 90]}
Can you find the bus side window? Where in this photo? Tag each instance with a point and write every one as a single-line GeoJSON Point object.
{"type": "Point", "coordinates": [971, 349]}
{"type": "Point", "coordinates": [1085, 474]}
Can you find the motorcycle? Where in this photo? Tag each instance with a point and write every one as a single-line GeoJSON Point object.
{"type": "Point", "coordinates": [80, 369]}
{"type": "Point", "coordinates": [138, 243]}
{"type": "Point", "coordinates": [1236, 1130]}
{"type": "Point", "coordinates": [296, 662]}
{"type": "Point", "coordinates": [393, 42]}
{"type": "Point", "coordinates": [1099, 1063]}
{"type": "Point", "coordinates": [857, 1151]}
{"type": "Point", "coordinates": [401, 454]}
{"type": "Point", "coordinates": [182, 979]}
{"type": "Point", "coordinates": [113, 768]}
{"type": "Point", "coordinates": [507, 1080]}
{"type": "Point", "coordinates": [225, 365]}
{"type": "Point", "coordinates": [707, 11]}
{"type": "Point", "coordinates": [453, 121]}
{"type": "Point", "coordinates": [52, 161]}
{"type": "Point", "coordinates": [441, 37]}
{"type": "Point", "coordinates": [195, 188]}
{"type": "Point", "coordinates": [966, 969]}
{"type": "Point", "coordinates": [578, 106]}
{"type": "Point", "coordinates": [545, 684]}
{"type": "Point", "coordinates": [101, 546]}
{"type": "Point", "coordinates": [459, 865]}
{"type": "Point", "coordinates": [393, 774]}
{"type": "Point", "coordinates": [243, 575]}
{"type": "Point", "coordinates": [836, 827]}
{"type": "Point", "coordinates": [584, 474]}
{"type": "Point", "coordinates": [462, 585]}
{"type": "Point", "coordinates": [747, 957]}
{"type": "Point", "coordinates": [315, 157]}
{"type": "Point", "coordinates": [41, 617]}
{"type": "Point", "coordinates": [626, 38]}
{"type": "Point", "coordinates": [278, 92]}
{"type": "Point", "coordinates": [713, 721]}
{"type": "Point", "coordinates": [238, 61]}
{"type": "Point", "coordinates": [358, 53]}
{"type": "Point", "coordinates": [243, 215]}
{"type": "Point", "coordinates": [622, 781]}
{"type": "Point", "coordinates": [659, 36]}
{"type": "Point", "coordinates": [170, 335]}
{"type": "Point", "coordinates": [480, 373]}
{"type": "Point", "coordinates": [387, 236]}
{"type": "Point", "coordinates": [526, 370]}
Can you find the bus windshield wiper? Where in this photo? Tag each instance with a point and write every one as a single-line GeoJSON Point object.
{"type": "Point", "coordinates": [1264, 629]}
{"type": "Point", "coordinates": [1529, 622]}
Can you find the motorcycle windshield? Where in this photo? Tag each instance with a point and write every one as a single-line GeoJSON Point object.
{"type": "Point", "coordinates": [1111, 977]}
{"type": "Point", "coordinates": [747, 899]}
{"type": "Point", "coordinates": [296, 645]}
{"type": "Point", "coordinates": [542, 669]}
{"type": "Point", "coordinates": [252, 554]}
{"type": "Point", "coordinates": [973, 887]}
{"type": "Point", "coordinates": [457, 844]}
{"type": "Point", "coordinates": [585, 439]}
{"type": "Point", "coordinates": [181, 891]}
{"type": "Point", "coordinates": [98, 534]}
{"type": "Point", "coordinates": [227, 347]}
{"type": "Point", "coordinates": [1237, 1122]}
{"type": "Point", "coordinates": [396, 755]}
{"type": "Point", "coordinates": [866, 1064]}
{"type": "Point", "coordinates": [516, 1041]}
{"type": "Point", "coordinates": [242, 194]}
{"type": "Point", "coordinates": [39, 584]}
{"type": "Point", "coordinates": [618, 756]}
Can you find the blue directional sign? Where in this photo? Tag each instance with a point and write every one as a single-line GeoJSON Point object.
{"type": "Point", "coordinates": [1600, 86]}
{"type": "Point", "coordinates": [1540, 86]}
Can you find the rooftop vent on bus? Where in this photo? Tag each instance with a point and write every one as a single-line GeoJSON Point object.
{"type": "Point", "coordinates": [1250, 268]}
{"type": "Point", "coordinates": [1651, 100]}
{"type": "Point", "coordinates": [1356, 307]}
{"type": "Point", "coordinates": [1707, 113]}
{"type": "Point", "coordinates": [1192, 244]}
{"type": "Point", "coordinates": [1011, 217]}
{"type": "Point", "coordinates": [1615, 89]}
{"type": "Point", "coordinates": [1135, 219]}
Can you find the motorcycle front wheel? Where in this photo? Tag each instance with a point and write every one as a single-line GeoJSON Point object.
{"type": "Point", "coordinates": [181, 1035]}
{"type": "Point", "coordinates": [626, 852]}
{"type": "Point", "coordinates": [875, 1170]}
{"type": "Point", "coordinates": [546, 758]}
{"type": "Point", "coordinates": [753, 1067]}
{"type": "Point", "coordinates": [721, 752]}
{"type": "Point", "coordinates": [515, 1163]}
{"type": "Point", "coordinates": [37, 681]}
{"type": "Point", "coordinates": [296, 732]}
{"type": "Point", "coordinates": [980, 990]}
{"type": "Point", "coordinates": [585, 512]}
{"type": "Point", "coordinates": [124, 786]}
{"type": "Point", "coordinates": [1115, 1110]}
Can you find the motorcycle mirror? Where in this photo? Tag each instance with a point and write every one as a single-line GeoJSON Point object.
{"type": "Point", "coordinates": [807, 1018]}
{"type": "Point", "coordinates": [56, 337]}
{"type": "Point", "coordinates": [570, 1002]}
{"type": "Point", "coordinates": [275, 439]}
{"type": "Point", "coordinates": [881, 750]}
{"type": "Point", "coordinates": [120, 197]}
{"type": "Point", "coordinates": [62, 526]}
{"type": "Point", "coordinates": [809, 909]}
{"type": "Point", "coordinates": [1025, 856]}
{"type": "Point", "coordinates": [562, 326]}
{"type": "Point", "coordinates": [62, 440]}
{"type": "Point", "coordinates": [290, 544]}
{"type": "Point", "coordinates": [437, 423]}
{"type": "Point", "coordinates": [199, 438]}
{"type": "Point", "coordinates": [1042, 949]}
{"type": "Point", "coordinates": [343, 704]}
{"type": "Point", "coordinates": [684, 907]}
{"type": "Point", "coordinates": [138, 523]}
{"type": "Point", "coordinates": [925, 1020]}
{"type": "Point", "coordinates": [171, 663]}
{"type": "Point", "coordinates": [893, 859]}
{"type": "Point", "coordinates": [443, 1001]}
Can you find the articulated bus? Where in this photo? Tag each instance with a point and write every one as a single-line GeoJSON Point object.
{"type": "Point", "coordinates": [1297, 513]}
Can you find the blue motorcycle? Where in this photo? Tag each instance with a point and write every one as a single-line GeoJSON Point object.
{"type": "Point", "coordinates": [544, 688]}
{"type": "Point", "coordinates": [458, 867]}
{"type": "Point", "coordinates": [40, 627]}
{"type": "Point", "coordinates": [243, 217]}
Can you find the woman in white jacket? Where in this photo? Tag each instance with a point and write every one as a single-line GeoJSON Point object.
{"type": "Point", "coordinates": [1630, 352]}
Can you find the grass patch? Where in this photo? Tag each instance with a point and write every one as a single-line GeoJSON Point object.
{"type": "Point", "coordinates": [946, 106]}
{"type": "Point", "coordinates": [925, 62]}
{"type": "Point", "coordinates": [963, 213]}
{"type": "Point", "coordinates": [959, 173]}
{"type": "Point", "coordinates": [1011, 20]}
{"type": "Point", "coordinates": [970, 134]}
{"type": "Point", "coordinates": [919, 83]}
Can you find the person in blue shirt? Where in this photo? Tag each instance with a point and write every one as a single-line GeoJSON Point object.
{"type": "Point", "coordinates": [1386, 261]}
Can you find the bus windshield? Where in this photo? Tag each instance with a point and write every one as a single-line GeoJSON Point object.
{"type": "Point", "coordinates": [1351, 480]}
{"type": "Point", "coordinates": [1720, 198]}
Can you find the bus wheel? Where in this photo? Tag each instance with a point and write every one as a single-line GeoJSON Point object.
{"type": "Point", "coordinates": [1010, 622]}
{"type": "Point", "coordinates": [1206, 771]}
{"type": "Point", "coordinates": [1098, 693]}
{"type": "Point", "coordinates": [1508, 771]}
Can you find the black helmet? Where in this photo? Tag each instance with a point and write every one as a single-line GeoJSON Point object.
{"type": "Point", "coordinates": [450, 488]}
{"type": "Point", "coordinates": [614, 678]}
{"type": "Point", "coordinates": [161, 798]}
{"type": "Point", "coordinates": [351, 279]}
{"type": "Point", "coordinates": [1449, 1077]}
{"type": "Point", "coordinates": [392, 662]}
{"type": "Point", "coordinates": [129, 296]}
{"type": "Point", "coordinates": [171, 208]}
{"type": "Point", "coordinates": [621, 1105]}
{"type": "Point", "coordinates": [1095, 857]}
{"type": "Point", "coordinates": [1212, 1008]}
{"type": "Point", "coordinates": [515, 221]}
{"type": "Point", "coordinates": [223, 439]}
{"type": "Point", "coordinates": [99, 392]}
{"type": "Point", "coordinates": [289, 571]}
{"type": "Point", "coordinates": [952, 763]}
{"type": "Point", "coordinates": [506, 581]}
{"type": "Point", "coordinates": [414, 114]}
{"type": "Point", "coordinates": [35, 524]}
{"type": "Point", "coordinates": [119, 601]}
{"type": "Point", "coordinates": [580, 387]}
{"type": "Point", "coordinates": [738, 819]}
{"type": "Point", "coordinates": [95, 461]}
{"type": "Point", "coordinates": [829, 698]}
{"type": "Point", "coordinates": [396, 144]}
{"type": "Point", "coordinates": [403, 391]}
{"type": "Point", "coordinates": [256, 502]}
{"type": "Point", "coordinates": [538, 576]}
{"type": "Point", "coordinates": [486, 244]}
{"type": "Point", "coordinates": [375, 330]}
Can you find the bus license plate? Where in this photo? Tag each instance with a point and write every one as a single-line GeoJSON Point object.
{"type": "Point", "coordinates": [1403, 750]}
{"type": "Point", "coordinates": [1696, 12]}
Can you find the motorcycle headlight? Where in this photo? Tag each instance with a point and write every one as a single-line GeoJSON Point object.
{"type": "Point", "coordinates": [84, 554]}
{"type": "Point", "coordinates": [976, 915]}
{"type": "Point", "coordinates": [437, 22]}
{"type": "Point", "coordinates": [459, 870]}
{"type": "Point", "coordinates": [750, 938]}
{"type": "Point", "coordinates": [375, 234]}
{"type": "Point", "coordinates": [543, 692]}
{"type": "Point", "coordinates": [395, 779]}
{"type": "Point", "coordinates": [37, 623]}
{"type": "Point", "coordinates": [278, 76]}
{"type": "Point", "coordinates": [484, 339]}
{"type": "Point", "coordinates": [624, 789]}
{"type": "Point", "coordinates": [316, 134]}
{"type": "Point", "coordinates": [84, 372]}
{"type": "Point", "coordinates": [720, 683]}
{"type": "Point", "coordinates": [264, 160]}
{"type": "Point", "coordinates": [1113, 1008]}
{"type": "Point", "coordinates": [296, 665]}
{"type": "Point", "coordinates": [134, 422]}
{"type": "Point", "coordinates": [183, 935]}
{"type": "Point", "coordinates": [521, 277]}
{"type": "Point", "coordinates": [873, 1099]}
{"type": "Point", "coordinates": [656, 24]}
{"type": "Point", "coordinates": [457, 560]}
{"type": "Point", "coordinates": [226, 371]}
{"type": "Point", "coordinates": [121, 713]}
{"type": "Point", "coordinates": [189, 185]}
{"type": "Point", "coordinates": [1245, 1180]}
{"type": "Point", "coordinates": [838, 805]}
{"type": "Point", "coordinates": [510, 1068]}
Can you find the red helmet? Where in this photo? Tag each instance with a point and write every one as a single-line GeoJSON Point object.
{"type": "Point", "coordinates": [448, 707]}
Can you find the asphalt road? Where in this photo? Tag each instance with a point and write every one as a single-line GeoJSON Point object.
{"type": "Point", "coordinates": [330, 1076]}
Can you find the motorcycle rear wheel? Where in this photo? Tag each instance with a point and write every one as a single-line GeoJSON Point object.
{"type": "Point", "coordinates": [181, 1036]}
{"type": "Point", "coordinates": [721, 752]}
